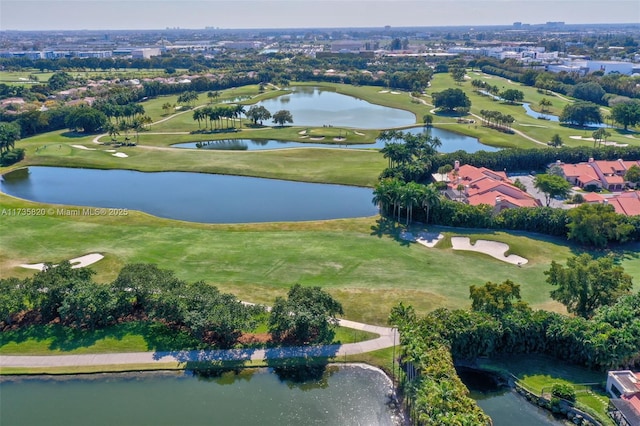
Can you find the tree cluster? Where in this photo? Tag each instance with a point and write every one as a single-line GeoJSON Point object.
{"type": "Point", "coordinates": [141, 291]}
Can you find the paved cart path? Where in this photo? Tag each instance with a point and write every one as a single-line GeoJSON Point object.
{"type": "Point", "coordinates": [388, 337]}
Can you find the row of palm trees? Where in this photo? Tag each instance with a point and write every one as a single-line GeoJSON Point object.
{"type": "Point", "coordinates": [394, 196]}
{"type": "Point", "coordinates": [498, 120]}
{"type": "Point", "coordinates": [137, 124]}
{"type": "Point", "coordinates": [215, 115]}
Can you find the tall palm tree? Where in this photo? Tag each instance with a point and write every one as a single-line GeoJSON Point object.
{"type": "Point", "coordinates": [429, 197]}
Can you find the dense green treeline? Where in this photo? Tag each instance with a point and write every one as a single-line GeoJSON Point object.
{"type": "Point", "coordinates": [144, 292]}
{"type": "Point", "coordinates": [140, 292]}
{"type": "Point", "coordinates": [435, 395]}
{"type": "Point", "coordinates": [400, 191]}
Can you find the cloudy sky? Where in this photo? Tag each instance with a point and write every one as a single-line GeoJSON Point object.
{"type": "Point", "coordinates": [157, 14]}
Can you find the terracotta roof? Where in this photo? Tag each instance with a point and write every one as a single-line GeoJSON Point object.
{"type": "Point", "coordinates": [582, 169]}
{"type": "Point", "coordinates": [627, 203]}
{"type": "Point", "coordinates": [592, 197]}
{"type": "Point", "coordinates": [608, 167]}
{"type": "Point", "coordinates": [614, 179]}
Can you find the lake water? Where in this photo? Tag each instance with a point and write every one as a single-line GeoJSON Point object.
{"type": "Point", "coordinates": [341, 396]}
{"type": "Point", "coordinates": [195, 197]}
{"type": "Point", "coordinates": [450, 142]}
{"type": "Point", "coordinates": [311, 106]}
{"type": "Point", "coordinates": [503, 405]}
{"type": "Point", "coordinates": [550, 117]}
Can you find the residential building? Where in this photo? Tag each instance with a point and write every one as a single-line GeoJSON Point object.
{"type": "Point", "coordinates": [479, 185]}
{"type": "Point", "coordinates": [624, 388]}
{"type": "Point", "coordinates": [599, 174]}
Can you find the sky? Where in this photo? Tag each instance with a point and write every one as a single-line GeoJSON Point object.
{"type": "Point", "coordinates": [160, 14]}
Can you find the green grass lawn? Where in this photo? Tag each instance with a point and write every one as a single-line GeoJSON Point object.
{"type": "Point", "coordinates": [55, 339]}
{"type": "Point", "coordinates": [342, 166]}
{"type": "Point", "coordinates": [538, 373]}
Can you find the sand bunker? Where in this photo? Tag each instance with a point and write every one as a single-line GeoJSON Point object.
{"type": "Point", "coordinates": [383, 91]}
{"type": "Point", "coordinates": [359, 134]}
{"type": "Point", "coordinates": [395, 93]}
{"type": "Point", "coordinates": [318, 138]}
{"type": "Point", "coordinates": [302, 132]}
{"type": "Point", "coordinates": [120, 155]}
{"type": "Point", "coordinates": [494, 249]}
{"type": "Point", "coordinates": [339, 139]}
{"type": "Point", "coordinates": [303, 137]}
{"type": "Point", "coordinates": [427, 239]}
{"type": "Point", "coordinates": [83, 147]}
{"type": "Point", "coordinates": [78, 262]}
{"type": "Point", "coordinates": [109, 150]}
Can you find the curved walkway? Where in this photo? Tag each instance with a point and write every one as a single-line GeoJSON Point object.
{"type": "Point", "coordinates": [388, 337]}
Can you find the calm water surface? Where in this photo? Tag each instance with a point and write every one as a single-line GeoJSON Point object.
{"type": "Point", "coordinates": [450, 142]}
{"type": "Point", "coordinates": [315, 107]}
{"type": "Point", "coordinates": [342, 396]}
{"type": "Point", "coordinates": [195, 197]}
{"type": "Point", "coordinates": [503, 405]}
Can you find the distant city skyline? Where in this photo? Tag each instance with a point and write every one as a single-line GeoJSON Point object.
{"type": "Point", "coordinates": [189, 14]}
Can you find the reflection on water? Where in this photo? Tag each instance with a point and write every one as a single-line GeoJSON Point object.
{"type": "Point", "coordinates": [502, 404]}
{"type": "Point", "coordinates": [348, 396]}
{"type": "Point", "coordinates": [451, 142]}
{"type": "Point", "coordinates": [195, 197]}
{"type": "Point", "coordinates": [311, 106]}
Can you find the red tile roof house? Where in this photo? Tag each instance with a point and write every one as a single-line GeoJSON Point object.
{"type": "Point", "coordinates": [603, 174]}
{"type": "Point", "coordinates": [485, 186]}
{"type": "Point", "coordinates": [626, 203]}
{"type": "Point", "coordinates": [624, 387]}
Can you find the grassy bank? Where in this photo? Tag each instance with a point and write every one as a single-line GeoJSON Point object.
{"type": "Point", "coordinates": [539, 373]}
{"type": "Point", "coordinates": [367, 268]}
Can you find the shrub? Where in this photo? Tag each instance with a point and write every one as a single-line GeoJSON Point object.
{"type": "Point", "coordinates": [563, 391]}
{"type": "Point", "coordinates": [11, 157]}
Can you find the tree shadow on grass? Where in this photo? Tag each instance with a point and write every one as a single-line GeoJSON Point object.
{"type": "Point", "coordinates": [157, 336]}
{"type": "Point", "coordinates": [389, 227]}
{"type": "Point", "coordinates": [76, 135]}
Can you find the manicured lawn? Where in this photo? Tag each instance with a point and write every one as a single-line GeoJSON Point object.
{"type": "Point", "coordinates": [539, 373]}
{"type": "Point", "coordinates": [342, 166]}
{"type": "Point", "coordinates": [541, 130]}
{"type": "Point", "coordinates": [128, 337]}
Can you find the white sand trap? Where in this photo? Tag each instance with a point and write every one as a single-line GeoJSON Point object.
{"type": "Point", "coordinates": [359, 134]}
{"type": "Point", "coordinates": [83, 147]}
{"type": "Point", "coordinates": [610, 143]}
{"type": "Point", "coordinates": [383, 91]}
{"type": "Point", "coordinates": [304, 137]}
{"type": "Point", "coordinates": [120, 155]}
{"type": "Point", "coordinates": [317, 138]}
{"type": "Point", "coordinates": [580, 138]}
{"type": "Point", "coordinates": [109, 150]}
{"type": "Point", "coordinates": [339, 139]}
{"type": "Point", "coordinates": [494, 249]}
{"type": "Point", "coordinates": [302, 132]}
{"type": "Point", "coordinates": [395, 93]}
{"type": "Point", "coordinates": [78, 262]}
{"type": "Point", "coordinates": [427, 239]}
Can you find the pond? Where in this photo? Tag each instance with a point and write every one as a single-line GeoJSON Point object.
{"type": "Point", "coordinates": [195, 197]}
{"type": "Point", "coordinates": [450, 142]}
{"type": "Point", "coordinates": [339, 396]}
{"type": "Point", "coordinates": [549, 117]}
{"type": "Point", "coordinates": [311, 106]}
{"type": "Point", "coordinates": [502, 404]}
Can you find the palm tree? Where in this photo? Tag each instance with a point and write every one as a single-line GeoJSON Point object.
{"type": "Point", "coordinates": [113, 132]}
{"type": "Point", "coordinates": [544, 103]}
{"type": "Point", "coordinates": [238, 112]}
{"type": "Point", "coordinates": [460, 188]}
{"type": "Point", "coordinates": [198, 115]}
{"type": "Point", "coordinates": [429, 198]}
